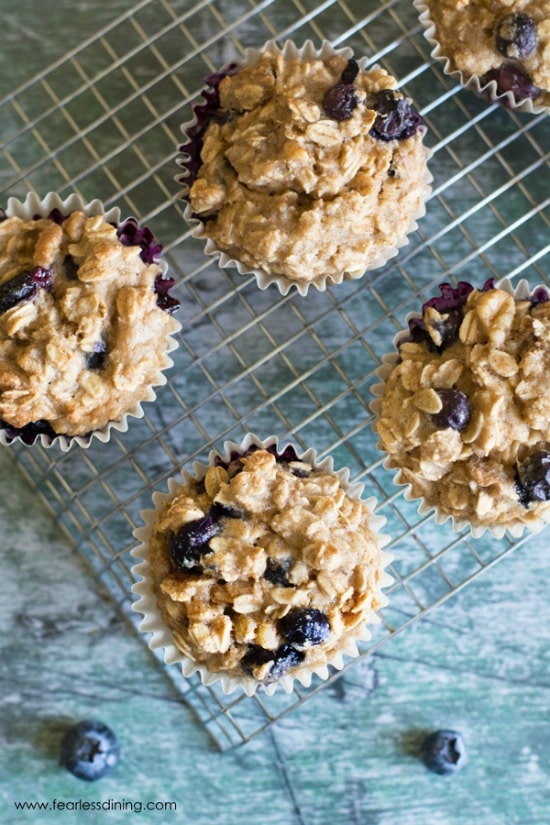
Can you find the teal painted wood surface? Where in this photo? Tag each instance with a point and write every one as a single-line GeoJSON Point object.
{"type": "Point", "coordinates": [479, 663]}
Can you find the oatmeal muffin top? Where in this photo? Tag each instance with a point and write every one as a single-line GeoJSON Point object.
{"type": "Point", "coordinates": [310, 168]}
{"type": "Point", "coordinates": [265, 567]}
{"type": "Point", "coordinates": [503, 40]}
{"type": "Point", "coordinates": [465, 415]}
{"type": "Point", "coordinates": [83, 335]}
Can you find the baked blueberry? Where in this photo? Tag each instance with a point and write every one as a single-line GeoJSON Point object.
{"type": "Point", "coordinates": [218, 511]}
{"type": "Point", "coordinates": [305, 627]}
{"type": "Point", "coordinates": [165, 301]}
{"type": "Point", "coordinates": [190, 542]}
{"type": "Point", "coordinates": [533, 478]}
{"type": "Point", "coordinates": [131, 234]}
{"type": "Point", "coordinates": [24, 286]}
{"type": "Point", "coordinates": [89, 750]}
{"type": "Point", "coordinates": [283, 659]}
{"type": "Point", "coordinates": [455, 411]}
{"type": "Point", "coordinates": [510, 78]}
{"type": "Point", "coordinates": [444, 752]}
{"type": "Point", "coordinates": [255, 656]}
{"type": "Point", "coordinates": [395, 117]}
{"type": "Point", "coordinates": [350, 72]}
{"type": "Point", "coordinates": [286, 657]}
{"type": "Point", "coordinates": [340, 101]}
{"type": "Point", "coordinates": [70, 268]}
{"type": "Point", "coordinates": [516, 36]}
{"type": "Point", "coordinates": [29, 433]}
{"type": "Point", "coordinates": [96, 360]}
{"type": "Point", "coordinates": [276, 572]}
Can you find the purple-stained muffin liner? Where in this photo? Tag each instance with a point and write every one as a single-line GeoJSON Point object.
{"type": "Point", "coordinates": [450, 299]}
{"type": "Point", "coordinates": [130, 234]}
{"type": "Point", "coordinates": [161, 638]}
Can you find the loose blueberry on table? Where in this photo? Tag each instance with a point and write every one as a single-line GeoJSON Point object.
{"type": "Point", "coordinates": [444, 752]}
{"type": "Point", "coordinates": [533, 478]}
{"type": "Point", "coordinates": [89, 750]}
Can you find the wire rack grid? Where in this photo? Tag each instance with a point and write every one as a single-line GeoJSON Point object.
{"type": "Point", "coordinates": [103, 121]}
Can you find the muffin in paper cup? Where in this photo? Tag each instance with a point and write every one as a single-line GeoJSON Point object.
{"type": "Point", "coordinates": [463, 410]}
{"type": "Point", "coordinates": [498, 51]}
{"type": "Point", "coordinates": [303, 167]}
{"type": "Point", "coordinates": [85, 321]}
{"type": "Point", "coordinates": [261, 567]}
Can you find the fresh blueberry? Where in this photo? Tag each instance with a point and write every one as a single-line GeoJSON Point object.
{"type": "Point", "coordinates": [510, 78]}
{"type": "Point", "coordinates": [190, 542]}
{"type": "Point", "coordinates": [516, 36]}
{"type": "Point", "coordinates": [395, 117]}
{"type": "Point", "coordinates": [24, 286]}
{"type": "Point", "coordinates": [89, 750]}
{"type": "Point", "coordinates": [305, 627]}
{"type": "Point", "coordinates": [444, 752]}
{"type": "Point", "coordinates": [283, 659]}
{"type": "Point", "coordinates": [533, 478]}
{"type": "Point", "coordinates": [455, 411]}
{"type": "Point", "coordinates": [165, 301]}
{"type": "Point", "coordinates": [276, 572]}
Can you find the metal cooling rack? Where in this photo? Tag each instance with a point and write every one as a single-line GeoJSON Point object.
{"type": "Point", "coordinates": [104, 121]}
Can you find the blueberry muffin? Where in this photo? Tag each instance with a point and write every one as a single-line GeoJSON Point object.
{"type": "Point", "coordinates": [305, 169]}
{"type": "Point", "coordinates": [84, 323]}
{"type": "Point", "coordinates": [266, 567]}
{"type": "Point", "coordinates": [465, 411]}
{"type": "Point", "coordinates": [505, 41]}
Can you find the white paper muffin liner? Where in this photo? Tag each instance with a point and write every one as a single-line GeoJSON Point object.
{"type": "Point", "coordinates": [471, 82]}
{"type": "Point", "coordinates": [308, 51]}
{"type": "Point", "coordinates": [161, 638]}
{"type": "Point", "coordinates": [521, 291]}
{"type": "Point", "coordinates": [34, 205]}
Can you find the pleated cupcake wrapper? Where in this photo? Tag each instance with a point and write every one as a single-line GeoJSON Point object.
{"type": "Point", "coordinates": [471, 82]}
{"type": "Point", "coordinates": [521, 291]}
{"type": "Point", "coordinates": [263, 279]}
{"type": "Point", "coordinates": [27, 209]}
{"type": "Point", "coordinates": [161, 636]}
